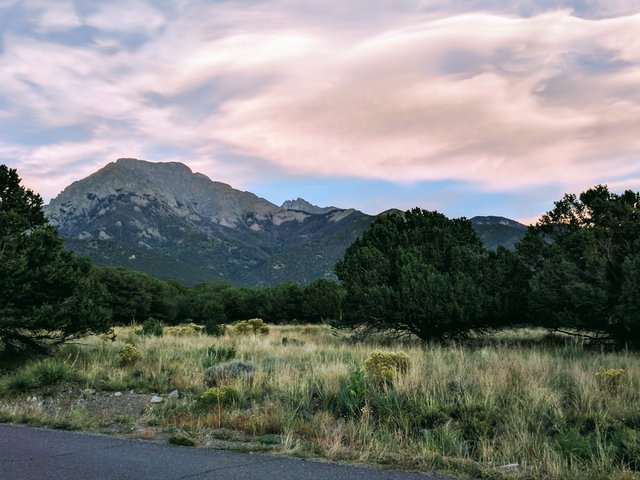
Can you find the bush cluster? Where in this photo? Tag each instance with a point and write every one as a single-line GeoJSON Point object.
{"type": "Point", "coordinates": [187, 330]}
{"type": "Point", "coordinates": [255, 326]}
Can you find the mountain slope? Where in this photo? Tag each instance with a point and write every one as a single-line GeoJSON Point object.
{"type": "Point", "coordinates": [163, 219]}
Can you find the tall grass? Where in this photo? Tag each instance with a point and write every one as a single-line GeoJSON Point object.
{"type": "Point", "coordinates": [513, 407]}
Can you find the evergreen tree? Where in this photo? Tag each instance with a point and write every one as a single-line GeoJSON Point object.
{"type": "Point", "coordinates": [47, 295]}
{"type": "Point", "coordinates": [584, 257]}
{"type": "Point", "coordinates": [420, 273]}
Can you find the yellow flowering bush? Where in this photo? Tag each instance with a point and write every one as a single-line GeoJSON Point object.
{"type": "Point", "coordinates": [128, 356]}
{"type": "Point", "coordinates": [253, 326]}
{"type": "Point", "coordinates": [386, 366]}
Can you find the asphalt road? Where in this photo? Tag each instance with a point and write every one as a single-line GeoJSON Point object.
{"type": "Point", "coordinates": [35, 454]}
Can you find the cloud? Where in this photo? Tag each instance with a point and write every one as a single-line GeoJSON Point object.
{"type": "Point", "coordinates": [387, 107]}
{"type": "Point", "coordinates": [498, 98]}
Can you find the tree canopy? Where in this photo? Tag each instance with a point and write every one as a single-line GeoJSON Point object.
{"type": "Point", "coordinates": [46, 294]}
{"type": "Point", "coordinates": [584, 258]}
{"type": "Point", "coordinates": [420, 273]}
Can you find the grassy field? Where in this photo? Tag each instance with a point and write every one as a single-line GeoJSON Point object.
{"type": "Point", "coordinates": [518, 405]}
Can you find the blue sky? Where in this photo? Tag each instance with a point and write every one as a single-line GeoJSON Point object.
{"type": "Point", "coordinates": [469, 107]}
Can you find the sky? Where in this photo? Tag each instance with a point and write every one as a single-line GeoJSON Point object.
{"type": "Point", "coordinates": [468, 107]}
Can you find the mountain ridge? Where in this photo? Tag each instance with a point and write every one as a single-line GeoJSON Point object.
{"type": "Point", "coordinates": [164, 219]}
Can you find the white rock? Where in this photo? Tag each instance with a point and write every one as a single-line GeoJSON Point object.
{"type": "Point", "coordinates": [117, 394]}
{"type": "Point", "coordinates": [156, 399]}
{"type": "Point", "coordinates": [174, 394]}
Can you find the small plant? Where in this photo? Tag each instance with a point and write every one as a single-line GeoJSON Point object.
{"type": "Point", "coordinates": [152, 327]}
{"type": "Point", "coordinates": [128, 356]}
{"type": "Point", "coordinates": [255, 326]}
{"type": "Point", "coordinates": [352, 399]}
{"type": "Point", "coordinates": [219, 396]}
{"type": "Point", "coordinates": [384, 367]}
{"type": "Point", "coordinates": [226, 371]}
{"type": "Point", "coordinates": [610, 379]}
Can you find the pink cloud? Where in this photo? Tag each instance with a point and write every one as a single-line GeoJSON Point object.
{"type": "Point", "coordinates": [414, 93]}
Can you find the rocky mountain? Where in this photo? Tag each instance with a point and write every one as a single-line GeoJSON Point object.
{"type": "Point", "coordinates": [163, 219]}
{"type": "Point", "coordinates": [302, 205]}
{"type": "Point", "coordinates": [498, 231]}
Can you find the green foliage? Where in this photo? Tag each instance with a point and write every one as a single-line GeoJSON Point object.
{"type": "Point", "coordinates": [46, 373]}
{"type": "Point", "coordinates": [152, 326]}
{"type": "Point", "coordinates": [134, 296]}
{"type": "Point", "coordinates": [352, 398]}
{"type": "Point", "coordinates": [384, 367]}
{"type": "Point", "coordinates": [321, 300]}
{"type": "Point", "coordinates": [215, 355]}
{"type": "Point", "coordinates": [128, 356]}
{"type": "Point", "coordinates": [47, 295]}
{"type": "Point", "coordinates": [584, 256]}
{"type": "Point", "coordinates": [420, 273]}
{"type": "Point", "coordinates": [228, 371]}
{"type": "Point", "coordinates": [254, 326]}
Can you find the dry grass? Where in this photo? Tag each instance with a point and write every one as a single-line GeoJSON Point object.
{"type": "Point", "coordinates": [537, 407]}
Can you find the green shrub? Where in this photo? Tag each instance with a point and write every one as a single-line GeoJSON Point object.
{"type": "Point", "coordinates": [214, 355]}
{"type": "Point", "coordinates": [52, 372]}
{"type": "Point", "coordinates": [47, 373]}
{"type": "Point", "coordinates": [352, 397]}
{"type": "Point", "coordinates": [152, 327]}
{"type": "Point", "coordinates": [214, 329]}
{"type": "Point", "coordinates": [575, 444]}
{"type": "Point", "coordinates": [228, 371]}
{"type": "Point", "coordinates": [296, 342]}
{"type": "Point", "coordinates": [255, 326]}
{"type": "Point", "coordinates": [128, 356]}
{"type": "Point", "coordinates": [384, 367]}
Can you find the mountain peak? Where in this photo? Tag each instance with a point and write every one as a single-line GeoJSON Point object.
{"type": "Point", "coordinates": [302, 205]}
